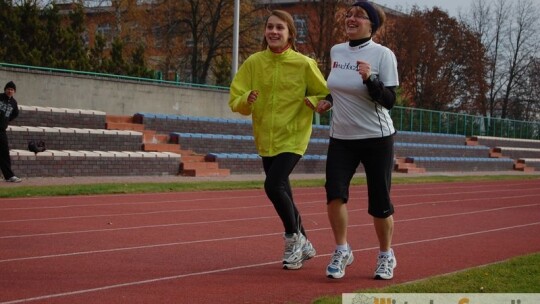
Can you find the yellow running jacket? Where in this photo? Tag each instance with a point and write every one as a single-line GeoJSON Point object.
{"type": "Point", "coordinates": [281, 120]}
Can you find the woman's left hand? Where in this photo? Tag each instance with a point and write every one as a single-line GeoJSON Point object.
{"type": "Point", "coordinates": [322, 106]}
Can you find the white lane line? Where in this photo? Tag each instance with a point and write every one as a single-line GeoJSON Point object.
{"type": "Point", "coordinates": [228, 208]}
{"type": "Point", "coordinates": [180, 276]}
{"type": "Point", "coordinates": [228, 220]}
{"type": "Point", "coordinates": [184, 200]}
{"type": "Point", "coordinates": [244, 219]}
{"type": "Point", "coordinates": [247, 236]}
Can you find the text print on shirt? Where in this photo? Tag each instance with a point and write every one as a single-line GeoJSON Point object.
{"type": "Point", "coordinates": [345, 66]}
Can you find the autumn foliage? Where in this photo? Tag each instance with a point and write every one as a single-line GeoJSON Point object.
{"type": "Point", "coordinates": [440, 62]}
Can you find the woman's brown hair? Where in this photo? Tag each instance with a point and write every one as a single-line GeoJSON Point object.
{"type": "Point", "coordinates": [283, 15]}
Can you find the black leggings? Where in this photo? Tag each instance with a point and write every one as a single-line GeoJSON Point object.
{"type": "Point", "coordinates": [5, 160]}
{"type": "Point", "coordinates": [278, 189]}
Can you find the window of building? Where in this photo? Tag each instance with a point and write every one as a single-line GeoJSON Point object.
{"type": "Point", "coordinates": [105, 31]}
{"type": "Point", "coordinates": [301, 27]}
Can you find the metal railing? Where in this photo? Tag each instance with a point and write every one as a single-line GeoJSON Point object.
{"type": "Point", "coordinates": [158, 77]}
{"type": "Point", "coordinates": [419, 120]}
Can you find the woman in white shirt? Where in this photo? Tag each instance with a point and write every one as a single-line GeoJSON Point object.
{"type": "Point", "coordinates": [362, 85]}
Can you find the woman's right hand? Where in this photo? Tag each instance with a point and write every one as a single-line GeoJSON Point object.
{"type": "Point", "coordinates": [252, 96]}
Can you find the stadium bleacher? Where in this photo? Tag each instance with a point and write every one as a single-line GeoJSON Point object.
{"type": "Point", "coordinates": [92, 143]}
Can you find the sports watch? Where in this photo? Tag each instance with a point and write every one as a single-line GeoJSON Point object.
{"type": "Point", "coordinates": [372, 77]}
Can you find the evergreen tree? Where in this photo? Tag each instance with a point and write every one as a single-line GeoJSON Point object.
{"type": "Point", "coordinates": [138, 67]}
{"type": "Point", "coordinates": [8, 34]}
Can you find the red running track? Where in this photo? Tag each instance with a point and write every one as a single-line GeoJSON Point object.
{"type": "Point", "coordinates": [225, 246]}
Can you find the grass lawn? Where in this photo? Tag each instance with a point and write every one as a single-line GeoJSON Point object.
{"type": "Point", "coordinates": [517, 275]}
{"type": "Point", "coordinates": [124, 188]}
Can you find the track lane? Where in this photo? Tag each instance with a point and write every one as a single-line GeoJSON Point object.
{"type": "Point", "coordinates": [103, 264]}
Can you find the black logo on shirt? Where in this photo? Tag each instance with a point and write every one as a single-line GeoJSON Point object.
{"type": "Point", "coordinates": [345, 66]}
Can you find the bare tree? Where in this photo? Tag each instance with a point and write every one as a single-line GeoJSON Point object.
{"type": "Point", "coordinates": [509, 33]}
{"type": "Point", "coordinates": [209, 24]}
{"type": "Point", "coordinates": [521, 48]}
{"type": "Point", "coordinates": [527, 105]}
{"type": "Point", "coordinates": [325, 28]}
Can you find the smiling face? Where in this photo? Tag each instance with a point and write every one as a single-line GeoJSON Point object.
{"type": "Point", "coordinates": [357, 23]}
{"type": "Point", "coordinates": [276, 34]}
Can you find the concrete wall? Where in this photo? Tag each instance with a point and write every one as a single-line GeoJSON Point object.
{"type": "Point", "coordinates": [114, 96]}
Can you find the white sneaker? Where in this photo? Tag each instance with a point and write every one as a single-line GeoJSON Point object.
{"type": "Point", "coordinates": [308, 252]}
{"type": "Point", "coordinates": [14, 179]}
{"type": "Point", "coordinates": [339, 261]}
{"type": "Point", "coordinates": [385, 267]}
{"type": "Point", "coordinates": [293, 249]}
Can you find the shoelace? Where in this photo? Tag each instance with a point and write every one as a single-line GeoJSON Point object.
{"type": "Point", "coordinates": [337, 258]}
{"type": "Point", "coordinates": [383, 264]}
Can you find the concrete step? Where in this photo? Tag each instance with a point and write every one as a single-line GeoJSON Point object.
{"type": "Point", "coordinates": [162, 147]}
{"type": "Point", "coordinates": [206, 172]}
{"type": "Point", "coordinates": [524, 169]}
{"type": "Point", "coordinates": [411, 170]}
{"type": "Point", "coordinates": [154, 138]}
{"type": "Point", "coordinates": [119, 119]}
{"type": "Point", "coordinates": [520, 165]}
{"type": "Point", "coordinates": [495, 153]}
{"type": "Point", "coordinates": [472, 141]}
{"type": "Point", "coordinates": [190, 157]}
{"type": "Point", "coordinates": [124, 126]}
{"type": "Point", "coordinates": [122, 122]}
{"type": "Point", "coordinates": [198, 166]}
{"type": "Point", "coordinates": [407, 165]}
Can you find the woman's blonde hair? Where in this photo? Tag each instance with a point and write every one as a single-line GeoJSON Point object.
{"type": "Point", "coordinates": [283, 15]}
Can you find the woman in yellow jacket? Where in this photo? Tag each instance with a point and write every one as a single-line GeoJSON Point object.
{"type": "Point", "coordinates": [273, 85]}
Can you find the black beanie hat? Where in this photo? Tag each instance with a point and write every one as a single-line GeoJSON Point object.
{"type": "Point", "coordinates": [10, 84]}
{"type": "Point", "coordinates": [372, 14]}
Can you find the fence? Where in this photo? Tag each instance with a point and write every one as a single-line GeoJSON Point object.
{"type": "Point", "coordinates": [419, 120]}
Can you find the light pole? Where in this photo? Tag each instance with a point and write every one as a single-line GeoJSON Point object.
{"type": "Point", "coordinates": [236, 30]}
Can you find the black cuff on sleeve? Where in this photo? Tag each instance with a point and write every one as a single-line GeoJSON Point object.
{"type": "Point", "coordinates": [385, 96]}
{"type": "Point", "coordinates": [330, 99]}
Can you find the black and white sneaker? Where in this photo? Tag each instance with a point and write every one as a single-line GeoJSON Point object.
{"type": "Point", "coordinates": [292, 254]}
{"type": "Point", "coordinates": [308, 252]}
{"type": "Point", "coordinates": [385, 267]}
